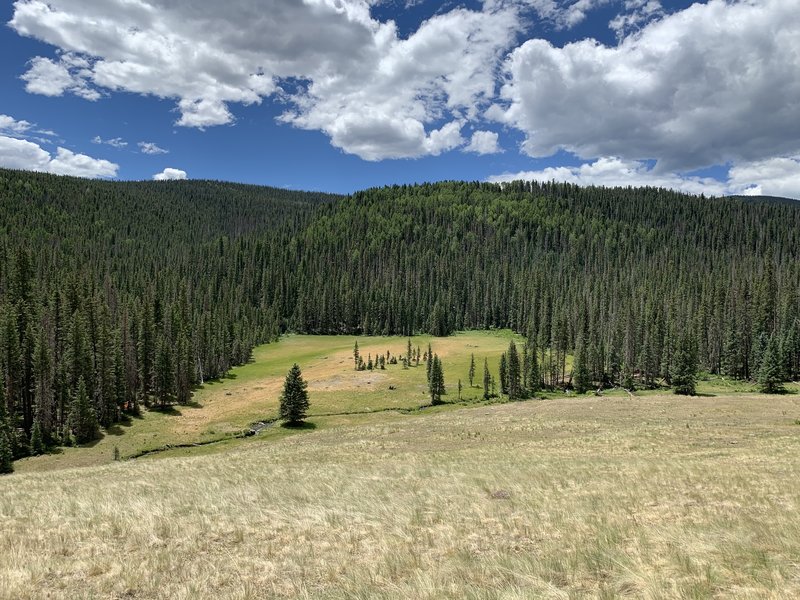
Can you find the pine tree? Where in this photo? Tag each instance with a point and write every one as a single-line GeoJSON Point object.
{"type": "Point", "coordinates": [503, 374]}
{"type": "Point", "coordinates": [459, 390]}
{"type": "Point", "coordinates": [436, 381]}
{"type": "Point", "coordinates": [409, 351]}
{"type": "Point", "coordinates": [37, 440]}
{"type": "Point", "coordinates": [294, 399]}
{"type": "Point", "coordinates": [486, 378]}
{"type": "Point", "coordinates": [471, 369]}
{"type": "Point", "coordinates": [684, 370]}
{"type": "Point", "coordinates": [513, 384]}
{"type": "Point", "coordinates": [6, 447]}
{"type": "Point", "coordinates": [356, 356]}
{"type": "Point", "coordinates": [429, 363]}
{"type": "Point", "coordinates": [82, 418]}
{"type": "Point", "coordinates": [534, 377]}
{"type": "Point", "coordinates": [582, 380]}
{"type": "Point", "coordinates": [770, 373]}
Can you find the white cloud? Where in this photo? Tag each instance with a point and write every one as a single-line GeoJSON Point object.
{"type": "Point", "coordinates": [483, 142]}
{"type": "Point", "coordinates": [773, 177]}
{"type": "Point", "coordinates": [24, 154]}
{"type": "Point", "coordinates": [151, 148]}
{"type": "Point", "coordinates": [116, 142]}
{"type": "Point", "coordinates": [9, 125]}
{"type": "Point", "coordinates": [169, 174]}
{"type": "Point", "coordinates": [712, 84]}
{"type": "Point", "coordinates": [342, 72]}
{"type": "Point", "coordinates": [51, 78]}
{"type": "Point", "coordinates": [613, 172]}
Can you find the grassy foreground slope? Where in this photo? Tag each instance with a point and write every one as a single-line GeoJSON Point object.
{"type": "Point", "coordinates": [576, 497]}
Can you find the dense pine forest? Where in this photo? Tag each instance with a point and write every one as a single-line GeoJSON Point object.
{"type": "Point", "coordinates": [119, 295]}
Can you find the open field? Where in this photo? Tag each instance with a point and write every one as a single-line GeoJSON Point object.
{"type": "Point", "coordinates": [658, 497]}
{"type": "Point", "coordinates": [251, 393]}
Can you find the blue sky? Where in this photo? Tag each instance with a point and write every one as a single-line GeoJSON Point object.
{"type": "Point", "coordinates": [339, 95]}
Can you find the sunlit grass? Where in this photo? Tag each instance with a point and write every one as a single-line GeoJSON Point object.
{"type": "Point", "coordinates": [655, 497]}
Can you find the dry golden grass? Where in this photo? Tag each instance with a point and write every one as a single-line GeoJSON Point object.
{"type": "Point", "coordinates": [660, 497]}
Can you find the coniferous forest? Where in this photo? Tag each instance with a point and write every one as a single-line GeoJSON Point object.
{"type": "Point", "coordinates": [119, 295]}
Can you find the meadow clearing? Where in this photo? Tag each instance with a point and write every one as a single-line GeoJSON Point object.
{"type": "Point", "coordinates": [653, 496]}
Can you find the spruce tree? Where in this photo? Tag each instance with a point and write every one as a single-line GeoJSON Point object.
{"type": "Point", "coordinates": [770, 373]}
{"type": "Point", "coordinates": [684, 369]}
{"type": "Point", "coordinates": [82, 417]}
{"type": "Point", "coordinates": [409, 351]}
{"type": "Point", "coordinates": [356, 357]}
{"type": "Point", "coordinates": [503, 374]}
{"type": "Point", "coordinates": [534, 377]}
{"type": "Point", "coordinates": [294, 399]}
{"type": "Point", "coordinates": [471, 369]}
{"type": "Point", "coordinates": [486, 379]}
{"type": "Point", "coordinates": [582, 379]}
{"type": "Point", "coordinates": [37, 440]}
{"type": "Point", "coordinates": [6, 447]}
{"type": "Point", "coordinates": [513, 384]}
{"type": "Point", "coordinates": [436, 382]}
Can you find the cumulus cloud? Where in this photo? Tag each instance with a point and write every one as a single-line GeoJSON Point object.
{"type": "Point", "coordinates": [773, 177]}
{"type": "Point", "coordinates": [712, 84]}
{"type": "Point", "coordinates": [11, 125]}
{"type": "Point", "coordinates": [116, 142]}
{"type": "Point", "coordinates": [23, 154]}
{"type": "Point", "coordinates": [54, 78]}
{"type": "Point", "coordinates": [373, 92]}
{"type": "Point", "coordinates": [483, 142]}
{"type": "Point", "coordinates": [614, 171]}
{"type": "Point", "coordinates": [170, 174]}
{"type": "Point", "coordinates": [151, 148]}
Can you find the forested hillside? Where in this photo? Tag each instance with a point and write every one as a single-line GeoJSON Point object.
{"type": "Point", "coordinates": [115, 295]}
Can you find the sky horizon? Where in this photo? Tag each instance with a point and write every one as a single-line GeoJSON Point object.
{"type": "Point", "coordinates": [342, 95]}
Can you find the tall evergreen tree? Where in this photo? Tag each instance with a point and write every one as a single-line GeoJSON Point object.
{"type": "Point", "coordinates": [487, 379]}
{"type": "Point", "coordinates": [514, 383]}
{"type": "Point", "coordinates": [582, 379]}
{"type": "Point", "coordinates": [504, 374]}
{"type": "Point", "coordinates": [83, 423]}
{"type": "Point", "coordinates": [356, 356]}
{"type": "Point", "coordinates": [770, 373]}
{"type": "Point", "coordinates": [471, 369]}
{"type": "Point", "coordinates": [436, 381]}
{"type": "Point", "coordinates": [684, 370]}
{"type": "Point", "coordinates": [294, 399]}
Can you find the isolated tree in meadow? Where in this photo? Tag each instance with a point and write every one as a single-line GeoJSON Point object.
{"type": "Point", "coordinates": [356, 356]}
{"type": "Point", "coordinates": [684, 366]}
{"type": "Point", "coordinates": [770, 373]}
{"type": "Point", "coordinates": [409, 351]}
{"type": "Point", "coordinates": [82, 419]}
{"type": "Point", "coordinates": [460, 387]}
{"type": "Point", "coordinates": [436, 381]}
{"type": "Point", "coordinates": [471, 369]}
{"type": "Point", "coordinates": [487, 379]}
{"type": "Point", "coordinates": [294, 399]}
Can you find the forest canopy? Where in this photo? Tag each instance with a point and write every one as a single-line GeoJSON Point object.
{"type": "Point", "coordinates": [115, 295]}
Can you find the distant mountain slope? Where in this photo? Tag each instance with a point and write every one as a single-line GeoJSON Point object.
{"type": "Point", "coordinates": [136, 291]}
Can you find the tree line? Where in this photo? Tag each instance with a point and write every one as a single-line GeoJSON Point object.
{"type": "Point", "coordinates": [120, 295]}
